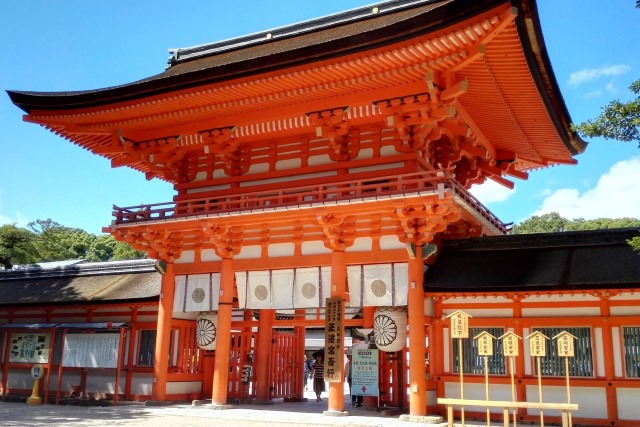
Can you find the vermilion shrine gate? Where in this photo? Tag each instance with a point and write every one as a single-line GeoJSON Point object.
{"type": "Point", "coordinates": [307, 153]}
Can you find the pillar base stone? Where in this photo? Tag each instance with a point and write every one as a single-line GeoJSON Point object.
{"type": "Point", "coordinates": [216, 406]}
{"type": "Point", "coordinates": [424, 419]}
{"type": "Point", "coordinates": [262, 402]}
{"type": "Point", "coordinates": [331, 413]}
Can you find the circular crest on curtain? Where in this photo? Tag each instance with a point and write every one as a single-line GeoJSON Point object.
{"type": "Point", "coordinates": [390, 328]}
{"type": "Point", "coordinates": [206, 330]}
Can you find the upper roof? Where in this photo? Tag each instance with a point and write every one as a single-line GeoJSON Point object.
{"type": "Point", "coordinates": [577, 260]}
{"type": "Point", "coordinates": [274, 79]}
{"type": "Point", "coordinates": [104, 282]}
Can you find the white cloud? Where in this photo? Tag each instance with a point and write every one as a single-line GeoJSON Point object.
{"type": "Point", "coordinates": [616, 195]}
{"type": "Point", "coordinates": [589, 75]}
{"type": "Point", "coordinates": [20, 220]}
{"type": "Point", "coordinates": [491, 191]}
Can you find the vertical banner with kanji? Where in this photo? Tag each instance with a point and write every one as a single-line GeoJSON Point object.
{"type": "Point", "coordinates": [334, 351]}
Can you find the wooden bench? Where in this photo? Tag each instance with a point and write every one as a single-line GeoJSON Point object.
{"type": "Point", "coordinates": [566, 408]}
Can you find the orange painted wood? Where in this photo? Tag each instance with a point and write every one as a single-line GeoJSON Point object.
{"type": "Point", "coordinates": [163, 336]}
{"type": "Point", "coordinates": [223, 346]}
{"type": "Point", "coordinates": [263, 355]}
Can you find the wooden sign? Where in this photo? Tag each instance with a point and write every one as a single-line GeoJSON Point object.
{"type": "Point", "coordinates": [459, 324]}
{"type": "Point", "coordinates": [538, 344]}
{"type": "Point", "coordinates": [333, 352]}
{"type": "Point", "coordinates": [510, 344]}
{"type": "Point", "coordinates": [485, 343]}
{"type": "Point", "coordinates": [565, 344]}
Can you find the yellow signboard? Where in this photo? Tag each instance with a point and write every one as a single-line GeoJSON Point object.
{"type": "Point", "coordinates": [538, 344]}
{"type": "Point", "coordinates": [485, 344]}
{"type": "Point", "coordinates": [510, 344]}
{"type": "Point", "coordinates": [459, 324]}
{"type": "Point", "coordinates": [565, 344]}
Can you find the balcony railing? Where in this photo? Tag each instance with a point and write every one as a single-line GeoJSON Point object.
{"type": "Point", "coordinates": [308, 196]}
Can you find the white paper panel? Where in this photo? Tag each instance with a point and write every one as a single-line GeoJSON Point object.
{"type": "Point", "coordinates": [282, 288]}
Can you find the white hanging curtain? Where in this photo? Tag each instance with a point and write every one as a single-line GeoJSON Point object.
{"type": "Point", "coordinates": [377, 285]}
{"type": "Point", "coordinates": [311, 287]}
{"type": "Point", "coordinates": [196, 292]}
{"type": "Point", "coordinates": [284, 288]}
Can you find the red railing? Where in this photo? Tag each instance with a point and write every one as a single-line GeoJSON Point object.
{"type": "Point", "coordinates": [304, 197]}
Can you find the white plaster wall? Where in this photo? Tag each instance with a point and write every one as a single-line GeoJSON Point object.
{"type": "Point", "coordinates": [366, 153]}
{"type": "Point", "coordinates": [377, 167]}
{"type": "Point", "coordinates": [249, 252]}
{"type": "Point", "coordinates": [104, 382]}
{"type": "Point", "coordinates": [564, 312]}
{"type": "Point", "coordinates": [281, 250]}
{"type": "Point", "coordinates": [315, 247]}
{"type": "Point", "coordinates": [184, 387]}
{"type": "Point", "coordinates": [592, 401]}
{"type": "Point", "coordinates": [598, 345]}
{"type": "Point", "coordinates": [141, 383]}
{"type": "Point", "coordinates": [626, 311]}
{"type": "Point", "coordinates": [391, 242]}
{"type": "Point", "coordinates": [208, 255]}
{"type": "Point", "coordinates": [480, 313]}
{"type": "Point", "coordinates": [478, 300]}
{"type": "Point", "coordinates": [617, 351]}
{"type": "Point", "coordinates": [361, 244]}
{"type": "Point", "coordinates": [186, 257]}
{"type": "Point", "coordinates": [628, 407]}
{"type": "Point", "coordinates": [561, 298]}
{"type": "Point", "coordinates": [319, 160]}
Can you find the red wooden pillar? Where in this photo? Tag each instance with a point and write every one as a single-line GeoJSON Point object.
{"type": "Point", "coordinates": [301, 332]}
{"type": "Point", "coordinates": [263, 355]}
{"type": "Point", "coordinates": [338, 290]}
{"type": "Point", "coordinates": [367, 323]}
{"type": "Point", "coordinates": [223, 344]}
{"type": "Point", "coordinates": [417, 337]}
{"type": "Point", "coordinates": [163, 336]}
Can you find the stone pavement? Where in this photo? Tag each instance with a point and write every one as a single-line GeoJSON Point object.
{"type": "Point", "coordinates": [292, 414]}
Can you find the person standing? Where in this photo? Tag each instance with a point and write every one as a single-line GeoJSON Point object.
{"type": "Point", "coordinates": [317, 373]}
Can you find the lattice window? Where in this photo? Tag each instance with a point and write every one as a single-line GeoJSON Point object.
{"type": "Point", "coordinates": [473, 363]}
{"type": "Point", "coordinates": [631, 339]}
{"type": "Point", "coordinates": [146, 347]}
{"type": "Point", "coordinates": [581, 365]}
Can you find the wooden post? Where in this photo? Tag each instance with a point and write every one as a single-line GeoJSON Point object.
{"type": "Point", "coordinates": [263, 355]}
{"type": "Point", "coordinates": [486, 387]}
{"type": "Point", "coordinates": [460, 368]}
{"type": "Point", "coordinates": [338, 290]}
{"type": "Point", "coordinates": [540, 390]}
{"type": "Point", "coordinates": [417, 337]}
{"type": "Point", "coordinates": [223, 340]}
{"type": "Point", "coordinates": [163, 336]}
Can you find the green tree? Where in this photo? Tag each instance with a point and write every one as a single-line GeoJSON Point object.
{"type": "Point", "coordinates": [547, 223]}
{"type": "Point", "coordinates": [107, 248]}
{"type": "Point", "coordinates": [125, 251]}
{"type": "Point", "coordinates": [56, 242]}
{"type": "Point", "coordinates": [554, 223]}
{"type": "Point", "coordinates": [16, 246]}
{"type": "Point", "coordinates": [618, 120]}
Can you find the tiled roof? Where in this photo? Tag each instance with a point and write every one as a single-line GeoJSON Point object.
{"type": "Point", "coordinates": [86, 282]}
{"type": "Point", "coordinates": [579, 260]}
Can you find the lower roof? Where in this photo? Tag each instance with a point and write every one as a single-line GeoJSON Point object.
{"type": "Point", "coordinates": [81, 283]}
{"type": "Point", "coordinates": [581, 260]}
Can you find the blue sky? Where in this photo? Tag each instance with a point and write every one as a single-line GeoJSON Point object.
{"type": "Point", "coordinates": [66, 45]}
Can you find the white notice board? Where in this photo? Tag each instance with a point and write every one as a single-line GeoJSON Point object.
{"type": "Point", "coordinates": [91, 350]}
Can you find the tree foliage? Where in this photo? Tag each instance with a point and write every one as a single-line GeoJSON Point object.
{"type": "Point", "coordinates": [16, 246]}
{"type": "Point", "coordinates": [46, 240]}
{"type": "Point", "coordinates": [554, 223]}
{"type": "Point", "coordinates": [618, 120]}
